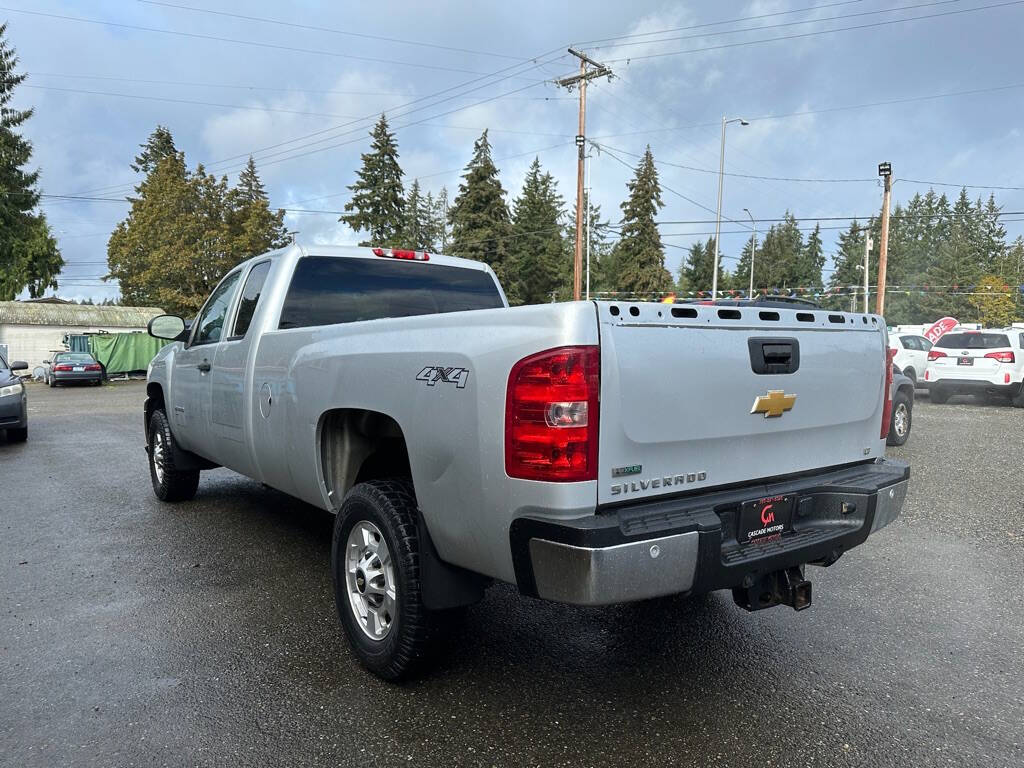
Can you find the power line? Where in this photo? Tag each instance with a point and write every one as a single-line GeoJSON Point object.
{"type": "Point", "coordinates": [252, 87]}
{"type": "Point", "coordinates": [331, 30]}
{"type": "Point", "coordinates": [815, 33]}
{"type": "Point", "coordinates": [719, 23]}
{"type": "Point", "coordinates": [501, 75]}
{"type": "Point", "coordinates": [237, 41]}
{"type": "Point", "coordinates": [806, 112]}
{"type": "Point", "coordinates": [897, 9]}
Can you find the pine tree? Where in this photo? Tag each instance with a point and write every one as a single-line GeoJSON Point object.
{"type": "Point", "coordinates": [778, 267]}
{"type": "Point", "coordinates": [417, 233]}
{"type": "Point", "coordinates": [159, 145]}
{"type": "Point", "coordinates": [811, 261]}
{"type": "Point", "coordinates": [537, 246]}
{"type": "Point", "coordinates": [479, 217]}
{"type": "Point", "coordinates": [250, 187]}
{"type": "Point", "coordinates": [697, 270]}
{"type": "Point", "coordinates": [602, 276]}
{"type": "Point", "coordinates": [29, 257]}
{"type": "Point", "coordinates": [439, 221]}
{"type": "Point", "coordinates": [639, 255]}
{"type": "Point", "coordinates": [255, 229]}
{"type": "Point", "coordinates": [378, 196]}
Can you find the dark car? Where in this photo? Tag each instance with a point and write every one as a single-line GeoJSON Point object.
{"type": "Point", "coordinates": [902, 408]}
{"type": "Point", "coordinates": [13, 403]}
{"type": "Point", "coordinates": [68, 367]}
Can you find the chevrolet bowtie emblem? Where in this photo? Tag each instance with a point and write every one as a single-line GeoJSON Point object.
{"type": "Point", "coordinates": [774, 404]}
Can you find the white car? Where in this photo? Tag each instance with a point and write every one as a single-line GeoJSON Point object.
{"type": "Point", "coordinates": [911, 354]}
{"type": "Point", "coordinates": [989, 362]}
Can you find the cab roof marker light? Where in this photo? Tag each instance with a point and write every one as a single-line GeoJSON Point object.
{"type": "Point", "coordinates": [395, 253]}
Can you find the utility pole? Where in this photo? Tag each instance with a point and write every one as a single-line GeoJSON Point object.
{"type": "Point", "coordinates": [580, 81]}
{"type": "Point", "coordinates": [885, 171]}
{"type": "Point", "coordinates": [867, 249]}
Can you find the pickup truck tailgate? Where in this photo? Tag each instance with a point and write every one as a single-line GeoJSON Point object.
{"type": "Point", "coordinates": [679, 383]}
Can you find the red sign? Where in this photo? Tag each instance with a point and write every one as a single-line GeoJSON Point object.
{"type": "Point", "coordinates": [943, 326]}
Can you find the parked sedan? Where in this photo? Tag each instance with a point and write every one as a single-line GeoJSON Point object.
{"type": "Point", "coordinates": [13, 404]}
{"type": "Point", "coordinates": [68, 367]}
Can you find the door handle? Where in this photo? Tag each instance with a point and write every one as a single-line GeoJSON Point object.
{"type": "Point", "coordinates": [204, 366]}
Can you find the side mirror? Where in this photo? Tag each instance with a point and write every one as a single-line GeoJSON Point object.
{"type": "Point", "coordinates": [47, 362]}
{"type": "Point", "coordinates": [19, 365]}
{"type": "Point", "coordinates": [169, 327]}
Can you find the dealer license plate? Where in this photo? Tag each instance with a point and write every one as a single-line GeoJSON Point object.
{"type": "Point", "coordinates": [965, 361]}
{"type": "Point", "coordinates": [763, 519]}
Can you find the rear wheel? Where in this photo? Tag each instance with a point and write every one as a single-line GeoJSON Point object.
{"type": "Point", "coordinates": [899, 426]}
{"type": "Point", "coordinates": [51, 381]}
{"type": "Point", "coordinates": [169, 482]}
{"type": "Point", "coordinates": [1018, 401]}
{"type": "Point", "coordinates": [19, 435]}
{"type": "Point", "coordinates": [375, 564]}
{"type": "Point", "coordinates": [937, 395]}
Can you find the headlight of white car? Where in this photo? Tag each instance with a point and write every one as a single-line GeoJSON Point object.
{"type": "Point", "coordinates": [13, 389]}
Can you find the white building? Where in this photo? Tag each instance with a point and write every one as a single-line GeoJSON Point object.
{"type": "Point", "coordinates": [31, 330]}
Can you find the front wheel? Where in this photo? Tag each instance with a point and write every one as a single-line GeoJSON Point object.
{"type": "Point", "coordinates": [899, 427]}
{"type": "Point", "coordinates": [375, 565]}
{"type": "Point", "coordinates": [169, 483]}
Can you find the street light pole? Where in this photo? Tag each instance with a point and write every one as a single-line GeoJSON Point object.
{"type": "Point", "coordinates": [586, 213]}
{"type": "Point", "coordinates": [718, 218]}
{"type": "Point", "coordinates": [753, 251]}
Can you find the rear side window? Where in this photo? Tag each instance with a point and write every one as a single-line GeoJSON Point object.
{"type": "Point", "coordinates": [909, 342]}
{"type": "Point", "coordinates": [973, 341]}
{"type": "Point", "coordinates": [924, 343]}
{"type": "Point", "coordinates": [250, 298]}
{"type": "Point", "coordinates": [327, 290]}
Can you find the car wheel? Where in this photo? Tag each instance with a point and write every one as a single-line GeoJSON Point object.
{"type": "Point", "coordinates": [51, 382]}
{"type": "Point", "coordinates": [169, 483]}
{"type": "Point", "coordinates": [1018, 401]}
{"type": "Point", "coordinates": [375, 565]}
{"type": "Point", "coordinates": [937, 395]}
{"type": "Point", "coordinates": [899, 426]}
{"type": "Point", "coordinates": [19, 435]}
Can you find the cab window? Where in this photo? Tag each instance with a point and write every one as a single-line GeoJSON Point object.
{"type": "Point", "coordinates": [250, 298]}
{"type": "Point", "coordinates": [210, 326]}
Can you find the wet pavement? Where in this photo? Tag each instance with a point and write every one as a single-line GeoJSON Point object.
{"type": "Point", "coordinates": [139, 634]}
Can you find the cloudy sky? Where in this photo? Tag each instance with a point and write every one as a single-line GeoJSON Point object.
{"type": "Point", "coordinates": [299, 84]}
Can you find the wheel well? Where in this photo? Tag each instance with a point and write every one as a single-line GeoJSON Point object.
{"type": "Point", "coordinates": [358, 445]}
{"type": "Point", "coordinates": [154, 401]}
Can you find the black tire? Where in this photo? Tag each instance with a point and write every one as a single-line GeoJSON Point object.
{"type": "Point", "coordinates": [1018, 400]}
{"type": "Point", "coordinates": [19, 435]}
{"type": "Point", "coordinates": [390, 507]}
{"type": "Point", "coordinates": [169, 483]}
{"type": "Point", "coordinates": [51, 382]}
{"type": "Point", "coordinates": [938, 396]}
{"type": "Point", "coordinates": [900, 402]}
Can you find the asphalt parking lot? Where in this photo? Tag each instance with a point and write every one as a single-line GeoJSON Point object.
{"type": "Point", "coordinates": [138, 634]}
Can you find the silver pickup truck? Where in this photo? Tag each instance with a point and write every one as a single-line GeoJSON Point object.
{"type": "Point", "coordinates": [586, 452]}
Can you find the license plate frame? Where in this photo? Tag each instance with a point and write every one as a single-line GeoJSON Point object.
{"type": "Point", "coordinates": [78, 369]}
{"type": "Point", "coordinates": [965, 361]}
{"type": "Point", "coordinates": [764, 519]}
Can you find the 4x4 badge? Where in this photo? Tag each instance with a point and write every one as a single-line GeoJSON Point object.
{"type": "Point", "coordinates": [774, 404]}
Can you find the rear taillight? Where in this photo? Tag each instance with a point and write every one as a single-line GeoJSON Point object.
{"type": "Point", "coordinates": [886, 402]}
{"type": "Point", "coordinates": [62, 368]}
{"type": "Point", "coordinates": [551, 415]}
{"type": "Point", "coordinates": [934, 354]}
{"type": "Point", "coordinates": [93, 367]}
{"type": "Point", "coordinates": [1002, 357]}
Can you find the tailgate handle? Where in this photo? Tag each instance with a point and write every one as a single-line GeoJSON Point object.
{"type": "Point", "coordinates": [774, 356]}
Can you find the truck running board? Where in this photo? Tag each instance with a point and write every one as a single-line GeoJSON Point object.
{"type": "Point", "coordinates": [788, 587]}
